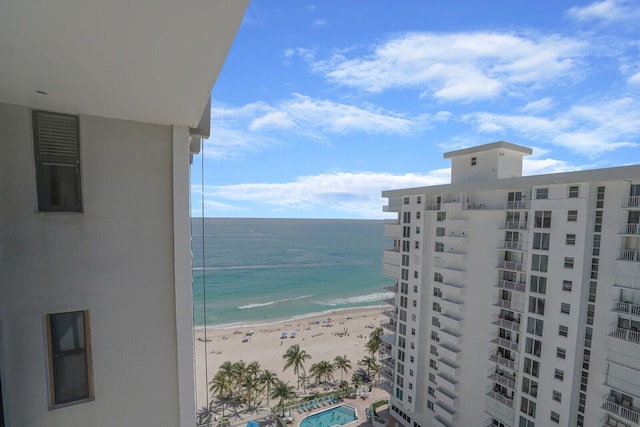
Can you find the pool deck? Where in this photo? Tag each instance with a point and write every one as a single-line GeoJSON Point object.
{"type": "Point", "coordinates": [358, 403]}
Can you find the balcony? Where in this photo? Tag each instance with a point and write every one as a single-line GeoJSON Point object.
{"type": "Point", "coordinates": [505, 343]}
{"type": "Point", "coordinates": [389, 301]}
{"type": "Point", "coordinates": [391, 271]}
{"type": "Point", "coordinates": [609, 421]}
{"type": "Point", "coordinates": [448, 367]}
{"type": "Point", "coordinates": [389, 339]}
{"type": "Point", "coordinates": [386, 374]}
{"type": "Point", "coordinates": [508, 363]}
{"type": "Point", "coordinates": [622, 359]}
{"type": "Point", "coordinates": [627, 282]}
{"type": "Point", "coordinates": [450, 336]}
{"type": "Point", "coordinates": [388, 362]}
{"type": "Point", "coordinates": [630, 229]}
{"type": "Point", "coordinates": [625, 308]}
{"type": "Point", "coordinates": [391, 314]}
{"type": "Point", "coordinates": [386, 386]}
{"type": "Point", "coordinates": [500, 398]}
{"type": "Point", "coordinates": [621, 409]}
{"type": "Point", "coordinates": [389, 326]}
{"type": "Point", "coordinates": [511, 265]}
{"type": "Point", "coordinates": [448, 351]}
{"type": "Point", "coordinates": [514, 246]}
{"type": "Point", "coordinates": [446, 397]}
{"type": "Point", "coordinates": [506, 323]}
{"type": "Point", "coordinates": [631, 202]}
{"type": "Point", "coordinates": [624, 334]}
{"type": "Point", "coordinates": [626, 386]}
{"type": "Point", "coordinates": [432, 207]}
{"type": "Point", "coordinates": [452, 288]}
{"type": "Point", "coordinates": [391, 288]}
{"type": "Point", "coordinates": [385, 349]}
{"type": "Point", "coordinates": [513, 225]}
{"type": "Point", "coordinates": [503, 205]}
{"type": "Point", "coordinates": [445, 412]}
{"type": "Point", "coordinates": [630, 255]}
{"type": "Point", "coordinates": [508, 305]}
{"type": "Point", "coordinates": [511, 286]}
{"type": "Point", "coordinates": [450, 321]}
{"type": "Point", "coordinates": [502, 378]}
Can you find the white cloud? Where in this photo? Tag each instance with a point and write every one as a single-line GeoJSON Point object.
{"type": "Point", "coordinates": [254, 126]}
{"type": "Point", "coordinates": [345, 192]}
{"type": "Point", "coordinates": [544, 166]}
{"type": "Point", "coordinates": [607, 10]}
{"type": "Point", "coordinates": [456, 66]}
{"type": "Point", "coordinates": [442, 116]}
{"type": "Point", "coordinates": [589, 129]}
{"type": "Point", "coordinates": [538, 106]}
{"type": "Point", "coordinates": [635, 79]}
{"type": "Point", "coordinates": [319, 23]}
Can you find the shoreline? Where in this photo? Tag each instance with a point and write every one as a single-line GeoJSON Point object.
{"type": "Point", "coordinates": [296, 318]}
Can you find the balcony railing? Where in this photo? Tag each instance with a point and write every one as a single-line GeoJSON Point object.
{"type": "Point", "coordinates": [628, 255]}
{"type": "Point", "coordinates": [386, 386]}
{"type": "Point", "coordinates": [505, 343]}
{"type": "Point", "coordinates": [513, 225]}
{"type": "Point", "coordinates": [625, 410]}
{"type": "Point", "coordinates": [627, 386]}
{"type": "Point", "coordinates": [631, 202]}
{"type": "Point", "coordinates": [509, 305]}
{"type": "Point", "coordinates": [391, 288]}
{"type": "Point", "coordinates": [501, 379]}
{"type": "Point", "coordinates": [521, 204]}
{"type": "Point", "coordinates": [389, 301]}
{"type": "Point", "coordinates": [609, 421]}
{"type": "Point", "coordinates": [511, 265]}
{"type": "Point", "coordinates": [507, 401]}
{"type": "Point", "coordinates": [633, 229]}
{"type": "Point", "coordinates": [624, 334]}
{"type": "Point", "coordinates": [507, 244]}
{"type": "Point", "coordinates": [631, 362]}
{"type": "Point", "coordinates": [496, 358]}
{"type": "Point", "coordinates": [389, 326]}
{"type": "Point", "coordinates": [511, 286]}
{"type": "Point", "coordinates": [506, 323]}
{"type": "Point", "coordinates": [391, 314]}
{"type": "Point", "coordinates": [629, 282]}
{"type": "Point", "coordinates": [432, 207]}
{"type": "Point", "coordinates": [625, 307]}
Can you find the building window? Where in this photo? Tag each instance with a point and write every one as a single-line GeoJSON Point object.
{"type": "Point", "coordinates": [538, 284]}
{"type": "Point", "coordinates": [430, 405]}
{"type": "Point", "coordinates": [572, 216]}
{"type": "Point", "coordinates": [414, 303]}
{"type": "Point", "coordinates": [561, 353]}
{"type": "Point", "coordinates": [536, 305]}
{"type": "Point", "coordinates": [530, 387]}
{"type": "Point", "coordinates": [573, 191]}
{"type": "Point", "coordinates": [440, 231]}
{"type": "Point", "coordinates": [57, 159]}
{"type": "Point", "coordinates": [563, 331]}
{"type": "Point", "coordinates": [419, 200]}
{"type": "Point", "coordinates": [533, 347]}
{"type": "Point", "coordinates": [441, 216]}
{"type": "Point", "coordinates": [555, 417]}
{"type": "Point", "coordinates": [531, 367]}
{"type": "Point", "coordinates": [568, 262]}
{"type": "Point", "coordinates": [534, 326]}
{"type": "Point", "coordinates": [406, 217]}
{"type": "Point", "coordinates": [439, 247]}
{"type": "Point", "coordinates": [565, 308]}
{"type": "Point", "coordinates": [69, 358]}
{"type": "Point", "coordinates": [417, 230]}
{"type": "Point", "coordinates": [406, 201]}
{"type": "Point", "coordinates": [415, 288]}
{"type": "Point", "coordinates": [559, 374]}
{"type": "Point", "coordinates": [567, 285]}
{"type": "Point", "coordinates": [417, 246]}
{"type": "Point", "coordinates": [528, 407]}
{"type": "Point", "coordinates": [539, 262]}
{"type": "Point", "coordinates": [557, 396]}
{"type": "Point", "coordinates": [570, 239]}
{"type": "Point", "coordinates": [541, 241]}
{"type": "Point", "coordinates": [542, 219]}
{"type": "Point", "coordinates": [542, 193]}
{"type": "Point", "coordinates": [415, 274]}
{"type": "Point", "coordinates": [418, 214]}
{"type": "Point", "coordinates": [433, 364]}
{"type": "Point", "coordinates": [525, 422]}
{"type": "Point", "coordinates": [474, 161]}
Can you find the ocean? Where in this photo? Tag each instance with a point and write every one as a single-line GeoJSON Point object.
{"type": "Point", "coordinates": [257, 271]}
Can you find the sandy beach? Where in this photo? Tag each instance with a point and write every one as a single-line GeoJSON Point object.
{"type": "Point", "coordinates": [346, 333]}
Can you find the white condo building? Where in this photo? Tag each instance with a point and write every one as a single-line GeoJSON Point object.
{"type": "Point", "coordinates": [101, 104]}
{"type": "Point", "coordinates": [517, 298]}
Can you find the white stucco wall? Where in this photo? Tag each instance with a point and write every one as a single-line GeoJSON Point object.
{"type": "Point", "coordinates": [116, 260]}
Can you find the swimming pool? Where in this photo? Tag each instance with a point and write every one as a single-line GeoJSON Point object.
{"type": "Point", "coordinates": [339, 415]}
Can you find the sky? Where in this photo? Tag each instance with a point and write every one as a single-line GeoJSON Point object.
{"type": "Point", "coordinates": [322, 105]}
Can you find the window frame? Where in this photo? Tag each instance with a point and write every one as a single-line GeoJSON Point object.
{"type": "Point", "coordinates": [542, 193]}
{"type": "Point", "coordinates": [52, 354]}
{"type": "Point", "coordinates": [47, 161]}
{"type": "Point", "coordinates": [573, 191]}
{"type": "Point", "coordinates": [572, 215]}
{"type": "Point", "coordinates": [570, 239]}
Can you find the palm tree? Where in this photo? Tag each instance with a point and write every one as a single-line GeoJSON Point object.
{"type": "Point", "coordinates": [295, 357]}
{"type": "Point", "coordinates": [322, 370]}
{"type": "Point", "coordinates": [356, 380]}
{"type": "Point", "coordinates": [221, 385]}
{"type": "Point", "coordinates": [369, 362]}
{"type": "Point", "coordinates": [268, 379]}
{"type": "Point", "coordinates": [239, 370]}
{"type": "Point", "coordinates": [343, 364]}
{"type": "Point", "coordinates": [304, 380]}
{"type": "Point", "coordinates": [250, 384]}
{"type": "Point", "coordinates": [283, 391]}
{"type": "Point", "coordinates": [375, 339]}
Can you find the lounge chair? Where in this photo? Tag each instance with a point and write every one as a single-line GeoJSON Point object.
{"type": "Point", "coordinates": [299, 409]}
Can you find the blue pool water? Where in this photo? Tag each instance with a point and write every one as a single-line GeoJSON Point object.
{"type": "Point", "coordinates": [340, 415]}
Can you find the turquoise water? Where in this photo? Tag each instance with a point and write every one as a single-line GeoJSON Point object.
{"type": "Point", "coordinates": [340, 415]}
{"type": "Point", "coordinates": [262, 270]}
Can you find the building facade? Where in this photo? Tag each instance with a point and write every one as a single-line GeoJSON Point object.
{"type": "Point", "coordinates": [517, 299]}
{"type": "Point", "coordinates": [101, 105]}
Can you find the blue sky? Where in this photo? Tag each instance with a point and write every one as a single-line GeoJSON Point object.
{"type": "Point", "coordinates": [322, 105]}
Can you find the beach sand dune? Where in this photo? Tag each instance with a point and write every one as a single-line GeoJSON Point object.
{"type": "Point", "coordinates": [346, 333]}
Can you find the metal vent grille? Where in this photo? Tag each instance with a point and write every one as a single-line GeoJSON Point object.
{"type": "Point", "coordinates": [56, 137]}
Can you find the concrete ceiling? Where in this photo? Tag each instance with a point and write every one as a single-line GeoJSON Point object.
{"type": "Point", "coordinates": [145, 60]}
